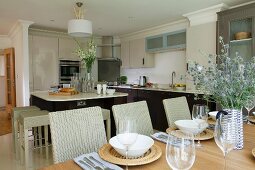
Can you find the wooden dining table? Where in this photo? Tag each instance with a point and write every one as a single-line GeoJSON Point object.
{"type": "Point", "coordinates": [209, 157]}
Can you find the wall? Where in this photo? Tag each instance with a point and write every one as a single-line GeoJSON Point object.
{"type": "Point", "coordinates": [165, 62]}
{"type": "Point", "coordinates": [5, 42]}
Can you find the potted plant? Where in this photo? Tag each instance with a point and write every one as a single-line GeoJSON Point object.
{"type": "Point", "coordinates": [230, 83]}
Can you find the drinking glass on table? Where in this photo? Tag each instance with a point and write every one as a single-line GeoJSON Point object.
{"type": "Point", "coordinates": [180, 151]}
{"type": "Point", "coordinates": [127, 133]}
{"type": "Point", "coordinates": [225, 133]}
{"type": "Point", "coordinates": [200, 116]}
{"type": "Point", "coordinates": [249, 105]}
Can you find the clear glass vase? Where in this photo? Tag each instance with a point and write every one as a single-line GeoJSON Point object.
{"type": "Point", "coordinates": [237, 113]}
{"type": "Point", "coordinates": [89, 83]}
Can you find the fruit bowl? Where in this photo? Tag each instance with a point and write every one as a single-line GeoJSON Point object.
{"type": "Point", "coordinates": [110, 91]}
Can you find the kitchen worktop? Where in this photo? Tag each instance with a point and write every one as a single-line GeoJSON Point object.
{"type": "Point", "coordinates": [81, 96]}
{"type": "Point", "coordinates": [159, 89]}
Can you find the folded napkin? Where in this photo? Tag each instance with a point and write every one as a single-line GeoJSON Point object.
{"type": "Point", "coordinates": [160, 136]}
{"type": "Point", "coordinates": [97, 157]}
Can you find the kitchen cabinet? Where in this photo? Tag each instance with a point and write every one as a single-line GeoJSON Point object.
{"type": "Point", "coordinates": [132, 94]}
{"type": "Point", "coordinates": [154, 99]}
{"type": "Point", "coordinates": [125, 54]}
{"type": "Point", "coordinates": [43, 62]}
{"type": "Point", "coordinates": [232, 21]}
{"type": "Point", "coordinates": [134, 55]}
{"type": "Point", "coordinates": [169, 41]}
{"type": "Point", "coordinates": [66, 48]}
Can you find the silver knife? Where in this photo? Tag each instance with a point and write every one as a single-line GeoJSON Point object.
{"type": "Point", "coordinates": [84, 163]}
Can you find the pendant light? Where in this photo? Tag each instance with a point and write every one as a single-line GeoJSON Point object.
{"type": "Point", "coordinates": [79, 27]}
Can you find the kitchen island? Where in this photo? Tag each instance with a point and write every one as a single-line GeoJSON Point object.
{"type": "Point", "coordinates": [55, 102]}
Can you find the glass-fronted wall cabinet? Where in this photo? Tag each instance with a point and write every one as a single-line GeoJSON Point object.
{"type": "Point", "coordinates": [169, 41]}
{"type": "Point", "coordinates": [237, 27]}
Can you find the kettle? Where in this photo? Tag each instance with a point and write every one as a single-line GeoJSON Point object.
{"type": "Point", "coordinates": [142, 80]}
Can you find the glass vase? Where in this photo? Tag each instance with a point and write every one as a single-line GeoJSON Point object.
{"type": "Point", "coordinates": [89, 81]}
{"type": "Point", "coordinates": [239, 133]}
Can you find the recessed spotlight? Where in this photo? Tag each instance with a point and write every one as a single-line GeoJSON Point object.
{"type": "Point", "coordinates": [100, 28]}
{"type": "Point", "coordinates": [52, 20]}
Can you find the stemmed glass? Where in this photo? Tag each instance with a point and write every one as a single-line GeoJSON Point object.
{"type": "Point", "coordinates": [224, 133]}
{"type": "Point", "coordinates": [180, 151]}
{"type": "Point", "coordinates": [200, 116]}
{"type": "Point", "coordinates": [127, 134]}
{"type": "Point", "coordinates": [249, 105]}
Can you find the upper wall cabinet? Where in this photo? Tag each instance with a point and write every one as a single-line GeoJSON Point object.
{"type": "Point", "coordinates": [237, 27]}
{"type": "Point", "coordinates": [168, 41]}
{"type": "Point", "coordinates": [66, 49]}
{"type": "Point", "coordinates": [133, 54]}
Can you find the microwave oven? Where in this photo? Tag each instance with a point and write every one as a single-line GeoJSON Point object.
{"type": "Point", "coordinates": [67, 69]}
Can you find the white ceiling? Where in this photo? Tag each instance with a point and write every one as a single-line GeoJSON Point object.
{"type": "Point", "coordinates": [109, 17]}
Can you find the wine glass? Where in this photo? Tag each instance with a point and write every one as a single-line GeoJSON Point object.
{"type": "Point", "coordinates": [180, 151]}
{"type": "Point", "coordinates": [225, 133]}
{"type": "Point", "coordinates": [249, 106]}
{"type": "Point", "coordinates": [200, 116]}
{"type": "Point", "coordinates": [127, 133]}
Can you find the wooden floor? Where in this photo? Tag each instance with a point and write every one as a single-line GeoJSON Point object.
{"type": "Point", "coordinates": [5, 122]}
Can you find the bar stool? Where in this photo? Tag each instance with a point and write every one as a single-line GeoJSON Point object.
{"type": "Point", "coordinates": [28, 120]}
{"type": "Point", "coordinates": [14, 116]}
{"type": "Point", "coordinates": [107, 116]}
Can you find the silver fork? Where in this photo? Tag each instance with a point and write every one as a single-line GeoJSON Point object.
{"type": "Point", "coordinates": [92, 164]}
{"type": "Point", "coordinates": [84, 163]}
{"type": "Point", "coordinates": [100, 163]}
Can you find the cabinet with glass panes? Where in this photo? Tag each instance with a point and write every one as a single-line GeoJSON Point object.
{"type": "Point", "coordinates": [237, 27]}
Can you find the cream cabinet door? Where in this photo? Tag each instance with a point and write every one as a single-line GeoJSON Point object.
{"type": "Point", "coordinates": [67, 47]}
{"type": "Point", "coordinates": [45, 68]}
{"type": "Point", "coordinates": [125, 54]}
{"type": "Point", "coordinates": [138, 56]}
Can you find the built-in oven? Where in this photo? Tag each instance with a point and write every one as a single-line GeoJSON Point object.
{"type": "Point", "coordinates": [67, 68]}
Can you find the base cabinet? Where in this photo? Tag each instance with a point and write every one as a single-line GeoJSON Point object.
{"type": "Point", "coordinates": [155, 99]}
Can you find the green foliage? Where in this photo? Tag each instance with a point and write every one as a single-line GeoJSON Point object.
{"type": "Point", "coordinates": [230, 83]}
{"type": "Point", "coordinates": [88, 55]}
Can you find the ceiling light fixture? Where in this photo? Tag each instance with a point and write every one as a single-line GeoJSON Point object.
{"type": "Point", "coordinates": [79, 27]}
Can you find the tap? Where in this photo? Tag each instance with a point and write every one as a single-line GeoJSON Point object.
{"type": "Point", "coordinates": [173, 75]}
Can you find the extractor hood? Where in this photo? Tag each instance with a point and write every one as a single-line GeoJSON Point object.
{"type": "Point", "coordinates": [109, 49]}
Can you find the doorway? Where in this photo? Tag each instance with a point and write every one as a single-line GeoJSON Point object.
{"type": "Point", "coordinates": [7, 89]}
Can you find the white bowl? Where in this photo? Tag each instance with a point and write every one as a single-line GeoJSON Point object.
{"type": "Point", "coordinates": [213, 114]}
{"type": "Point", "coordinates": [142, 145]}
{"type": "Point", "coordinates": [191, 126]}
{"type": "Point", "coordinates": [110, 91]}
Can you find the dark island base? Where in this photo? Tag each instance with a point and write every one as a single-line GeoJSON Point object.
{"type": "Point", "coordinates": [105, 103]}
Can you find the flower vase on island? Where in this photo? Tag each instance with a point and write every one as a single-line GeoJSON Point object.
{"type": "Point", "coordinates": [88, 57]}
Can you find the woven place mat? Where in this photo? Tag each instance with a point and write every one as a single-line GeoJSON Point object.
{"type": "Point", "coordinates": [253, 152]}
{"type": "Point", "coordinates": [251, 119]}
{"type": "Point", "coordinates": [205, 135]}
{"type": "Point", "coordinates": [108, 153]}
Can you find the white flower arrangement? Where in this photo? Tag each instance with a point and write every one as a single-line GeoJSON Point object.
{"type": "Point", "coordinates": [230, 83]}
{"type": "Point", "coordinates": [88, 55]}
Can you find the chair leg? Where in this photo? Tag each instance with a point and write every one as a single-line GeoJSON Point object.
{"type": "Point", "coordinates": [26, 148]}
{"type": "Point", "coordinates": [40, 136]}
{"type": "Point", "coordinates": [15, 139]}
{"type": "Point", "coordinates": [108, 128]}
{"type": "Point", "coordinates": [46, 140]}
{"type": "Point", "coordinates": [21, 135]}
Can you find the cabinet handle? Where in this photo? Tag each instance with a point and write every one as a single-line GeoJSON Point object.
{"type": "Point", "coordinates": [143, 61]}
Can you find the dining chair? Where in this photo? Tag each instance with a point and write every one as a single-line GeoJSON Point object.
{"type": "Point", "coordinates": [75, 132]}
{"type": "Point", "coordinates": [176, 109]}
{"type": "Point", "coordinates": [137, 110]}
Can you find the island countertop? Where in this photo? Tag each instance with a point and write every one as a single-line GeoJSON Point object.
{"type": "Point", "coordinates": [81, 96]}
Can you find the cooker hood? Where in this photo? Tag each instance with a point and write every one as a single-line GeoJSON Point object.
{"type": "Point", "coordinates": [109, 49]}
